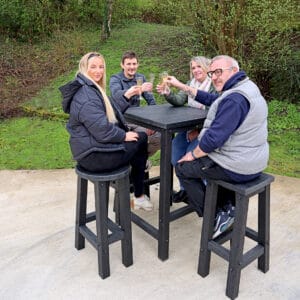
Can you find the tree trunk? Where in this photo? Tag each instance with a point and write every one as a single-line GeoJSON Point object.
{"type": "Point", "coordinates": [106, 29]}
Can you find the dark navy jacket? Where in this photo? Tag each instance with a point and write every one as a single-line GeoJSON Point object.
{"type": "Point", "coordinates": [119, 84]}
{"type": "Point", "coordinates": [88, 125]}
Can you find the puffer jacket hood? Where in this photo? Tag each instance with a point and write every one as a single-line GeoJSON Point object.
{"type": "Point", "coordinates": [70, 89]}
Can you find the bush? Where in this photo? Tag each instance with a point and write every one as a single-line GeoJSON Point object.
{"type": "Point", "coordinates": [258, 33]}
{"type": "Point", "coordinates": [28, 20]}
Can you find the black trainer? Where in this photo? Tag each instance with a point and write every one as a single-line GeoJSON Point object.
{"type": "Point", "coordinates": [180, 196]}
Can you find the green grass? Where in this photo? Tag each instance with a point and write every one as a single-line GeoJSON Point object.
{"type": "Point", "coordinates": [33, 143]}
{"type": "Point", "coordinates": [40, 141]}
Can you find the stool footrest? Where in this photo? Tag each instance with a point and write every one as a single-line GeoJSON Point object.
{"type": "Point", "coordinates": [247, 258]}
{"type": "Point", "coordinates": [88, 234]}
{"type": "Point", "coordinates": [150, 229]}
{"type": "Point", "coordinates": [116, 234]}
{"type": "Point", "coordinates": [90, 217]}
{"type": "Point", "coordinates": [219, 249]}
{"type": "Point", "coordinates": [252, 255]}
{"type": "Point", "coordinates": [180, 212]}
{"type": "Point", "coordinates": [252, 234]}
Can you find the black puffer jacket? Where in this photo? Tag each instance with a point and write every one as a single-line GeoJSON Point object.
{"type": "Point", "coordinates": [88, 125]}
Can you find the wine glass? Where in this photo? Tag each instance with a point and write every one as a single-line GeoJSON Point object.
{"type": "Point", "coordinates": [163, 77]}
{"type": "Point", "coordinates": [151, 78]}
{"type": "Point", "coordinates": [139, 82]}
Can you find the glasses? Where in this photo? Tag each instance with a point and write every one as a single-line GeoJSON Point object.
{"type": "Point", "coordinates": [217, 72]}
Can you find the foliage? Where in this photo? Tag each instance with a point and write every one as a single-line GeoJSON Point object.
{"type": "Point", "coordinates": [259, 33]}
{"type": "Point", "coordinates": [26, 68]}
{"type": "Point", "coordinates": [21, 66]}
{"type": "Point", "coordinates": [172, 12]}
{"type": "Point", "coordinates": [263, 35]}
{"type": "Point", "coordinates": [283, 117]}
{"type": "Point", "coordinates": [30, 19]}
{"type": "Point", "coordinates": [41, 141]}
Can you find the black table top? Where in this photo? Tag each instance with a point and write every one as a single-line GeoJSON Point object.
{"type": "Point", "coordinates": [165, 116]}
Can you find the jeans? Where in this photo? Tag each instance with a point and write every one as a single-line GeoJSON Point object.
{"type": "Point", "coordinates": [180, 146]}
{"type": "Point", "coordinates": [135, 154]}
{"type": "Point", "coordinates": [192, 173]}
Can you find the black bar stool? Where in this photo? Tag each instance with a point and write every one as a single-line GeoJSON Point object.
{"type": "Point", "coordinates": [104, 225]}
{"type": "Point", "coordinates": [235, 256]}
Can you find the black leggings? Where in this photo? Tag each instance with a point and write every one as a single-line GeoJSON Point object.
{"type": "Point", "coordinates": [135, 154]}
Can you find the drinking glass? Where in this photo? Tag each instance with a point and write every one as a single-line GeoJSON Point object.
{"type": "Point", "coordinates": [139, 82]}
{"type": "Point", "coordinates": [151, 77]}
{"type": "Point", "coordinates": [163, 77]}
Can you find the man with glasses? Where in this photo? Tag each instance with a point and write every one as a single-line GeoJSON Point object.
{"type": "Point", "coordinates": [233, 142]}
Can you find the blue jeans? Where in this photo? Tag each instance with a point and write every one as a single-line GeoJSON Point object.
{"type": "Point", "coordinates": [180, 146]}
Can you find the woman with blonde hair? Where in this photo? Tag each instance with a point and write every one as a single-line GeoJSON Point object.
{"type": "Point", "coordinates": [186, 141]}
{"type": "Point", "coordinates": [99, 138]}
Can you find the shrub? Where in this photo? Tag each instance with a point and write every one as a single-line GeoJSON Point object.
{"type": "Point", "coordinates": [258, 33]}
{"type": "Point", "coordinates": [30, 19]}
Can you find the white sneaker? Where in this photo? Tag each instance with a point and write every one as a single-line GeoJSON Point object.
{"type": "Point", "coordinates": [143, 203]}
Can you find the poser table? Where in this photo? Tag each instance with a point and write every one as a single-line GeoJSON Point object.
{"type": "Point", "coordinates": [168, 120]}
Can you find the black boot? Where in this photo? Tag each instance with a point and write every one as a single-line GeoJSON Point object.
{"type": "Point", "coordinates": [180, 196]}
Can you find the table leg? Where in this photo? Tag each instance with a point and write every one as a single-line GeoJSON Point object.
{"type": "Point", "coordinates": [166, 182]}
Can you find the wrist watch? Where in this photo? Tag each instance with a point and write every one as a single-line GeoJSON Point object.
{"type": "Point", "coordinates": [193, 154]}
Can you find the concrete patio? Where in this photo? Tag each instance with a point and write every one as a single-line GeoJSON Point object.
{"type": "Point", "coordinates": [38, 259]}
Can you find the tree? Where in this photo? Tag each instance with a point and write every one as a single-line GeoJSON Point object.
{"type": "Point", "coordinates": [106, 29]}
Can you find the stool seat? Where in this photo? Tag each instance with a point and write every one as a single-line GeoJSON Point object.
{"type": "Point", "coordinates": [248, 188]}
{"type": "Point", "coordinates": [234, 255]}
{"type": "Point", "coordinates": [107, 231]}
{"type": "Point", "coordinates": [103, 176]}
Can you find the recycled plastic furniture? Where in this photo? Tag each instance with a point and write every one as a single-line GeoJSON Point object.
{"type": "Point", "coordinates": [167, 120]}
{"type": "Point", "coordinates": [107, 232]}
{"type": "Point", "coordinates": [234, 255]}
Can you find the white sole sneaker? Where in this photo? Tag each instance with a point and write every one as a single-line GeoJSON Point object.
{"type": "Point", "coordinates": [145, 205]}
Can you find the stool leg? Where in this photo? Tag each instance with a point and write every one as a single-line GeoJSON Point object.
{"type": "Point", "coordinates": [80, 211]}
{"type": "Point", "coordinates": [237, 246]}
{"type": "Point", "coordinates": [125, 221]}
{"type": "Point", "coordinates": [117, 205]}
{"type": "Point", "coordinates": [207, 228]}
{"type": "Point", "coordinates": [101, 200]}
{"type": "Point", "coordinates": [264, 228]}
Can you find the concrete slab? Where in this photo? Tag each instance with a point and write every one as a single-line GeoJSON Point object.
{"type": "Point", "coordinates": [38, 259]}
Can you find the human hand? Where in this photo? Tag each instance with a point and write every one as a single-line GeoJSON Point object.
{"type": "Point", "coordinates": [134, 90]}
{"type": "Point", "coordinates": [187, 157]}
{"type": "Point", "coordinates": [192, 134]}
{"type": "Point", "coordinates": [163, 89]}
{"type": "Point", "coordinates": [131, 136]}
{"type": "Point", "coordinates": [173, 81]}
{"type": "Point", "coordinates": [147, 87]}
